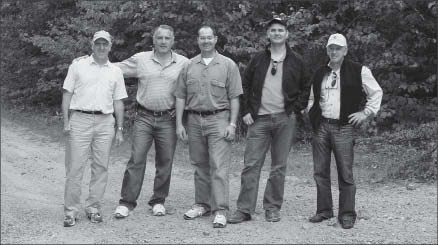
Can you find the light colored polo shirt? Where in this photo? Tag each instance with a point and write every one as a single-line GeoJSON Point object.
{"type": "Point", "coordinates": [157, 81]}
{"type": "Point", "coordinates": [209, 87]}
{"type": "Point", "coordinates": [94, 86]}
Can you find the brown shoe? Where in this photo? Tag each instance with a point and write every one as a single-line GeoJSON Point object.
{"type": "Point", "coordinates": [272, 215]}
{"type": "Point", "coordinates": [347, 222]}
{"type": "Point", "coordinates": [320, 217]}
{"type": "Point", "coordinates": [239, 217]}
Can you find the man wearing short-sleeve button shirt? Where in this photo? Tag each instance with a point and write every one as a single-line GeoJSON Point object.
{"type": "Point", "coordinates": [209, 88]}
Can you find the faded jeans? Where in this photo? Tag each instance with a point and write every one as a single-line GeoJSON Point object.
{"type": "Point", "coordinates": [89, 135]}
{"type": "Point", "coordinates": [340, 140]}
{"type": "Point", "coordinates": [148, 128]}
{"type": "Point", "coordinates": [210, 154]}
{"type": "Point", "coordinates": [275, 131]}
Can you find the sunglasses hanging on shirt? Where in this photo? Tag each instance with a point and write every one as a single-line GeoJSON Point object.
{"type": "Point", "coordinates": [274, 67]}
{"type": "Point", "coordinates": [334, 77]}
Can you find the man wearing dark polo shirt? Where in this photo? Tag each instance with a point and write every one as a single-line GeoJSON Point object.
{"type": "Point", "coordinates": [209, 88]}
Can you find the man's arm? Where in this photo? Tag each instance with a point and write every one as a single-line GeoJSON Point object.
{"type": "Point", "coordinates": [119, 110]}
{"type": "Point", "coordinates": [374, 95]}
{"type": "Point", "coordinates": [129, 66]}
{"type": "Point", "coordinates": [66, 99]}
{"type": "Point", "coordinates": [305, 86]}
{"type": "Point", "coordinates": [230, 130]}
{"type": "Point", "coordinates": [179, 109]}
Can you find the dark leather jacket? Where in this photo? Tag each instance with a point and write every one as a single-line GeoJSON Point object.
{"type": "Point", "coordinates": [296, 86]}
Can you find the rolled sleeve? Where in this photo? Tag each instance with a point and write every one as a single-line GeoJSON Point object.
{"type": "Point", "coordinates": [120, 89]}
{"type": "Point", "coordinates": [372, 90]}
{"type": "Point", "coordinates": [181, 87]}
{"type": "Point", "coordinates": [234, 85]}
{"type": "Point", "coordinates": [70, 79]}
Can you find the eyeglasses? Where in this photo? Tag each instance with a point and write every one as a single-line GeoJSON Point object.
{"type": "Point", "coordinates": [274, 67]}
{"type": "Point", "coordinates": [334, 78]}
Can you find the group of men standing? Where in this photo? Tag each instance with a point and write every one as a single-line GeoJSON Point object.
{"type": "Point", "coordinates": [197, 100]}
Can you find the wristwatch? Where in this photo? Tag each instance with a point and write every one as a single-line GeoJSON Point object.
{"type": "Point", "coordinates": [120, 128]}
{"type": "Point", "coordinates": [367, 113]}
{"type": "Point", "coordinates": [233, 125]}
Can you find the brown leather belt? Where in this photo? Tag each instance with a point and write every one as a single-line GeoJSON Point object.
{"type": "Point", "coordinates": [330, 120]}
{"type": "Point", "coordinates": [206, 113]}
{"type": "Point", "coordinates": [155, 113]}
{"type": "Point", "coordinates": [91, 112]}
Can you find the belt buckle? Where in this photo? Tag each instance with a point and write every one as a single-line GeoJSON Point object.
{"type": "Point", "coordinates": [157, 113]}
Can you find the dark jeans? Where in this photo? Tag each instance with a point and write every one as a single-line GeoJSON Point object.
{"type": "Point", "coordinates": [340, 140]}
{"type": "Point", "coordinates": [275, 131]}
{"type": "Point", "coordinates": [148, 128]}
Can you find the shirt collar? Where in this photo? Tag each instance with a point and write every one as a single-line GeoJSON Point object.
{"type": "Point", "coordinates": [173, 56]}
{"type": "Point", "coordinates": [198, 58]}
{"type": "Point", "coordinates": [93, 61]}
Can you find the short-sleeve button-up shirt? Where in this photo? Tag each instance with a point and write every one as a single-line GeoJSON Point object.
{"type": "Point", "coordinates": [156, 81]}
{"type": "Point", "coordinates": [94, 86]}
{"type": "Point", "coordinates": [209, 87]}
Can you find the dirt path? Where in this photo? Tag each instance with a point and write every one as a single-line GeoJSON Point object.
{"type": "Point", "coordinates": [32, 186]}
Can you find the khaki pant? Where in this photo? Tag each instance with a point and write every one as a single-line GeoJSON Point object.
{"type": "Point", "coordinates": [90, 135]}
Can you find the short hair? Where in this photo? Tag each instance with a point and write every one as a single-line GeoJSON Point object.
{"type": "Point", "coordinates": [166, 27]}
{"type": "Point", "coordinates": [207, 26]}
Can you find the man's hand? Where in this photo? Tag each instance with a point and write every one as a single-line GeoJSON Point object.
{"type": "Point", "coordinates": [67, 127]}
{"type": "Point", "coordinates": [181, 133]}
{"type": "Point", "coordinates": [229, 133]}
{"type": "Point", "coordinates": [357, 118]}
{"type": "Point", "coordinates": [247, 119]}
{"type": "Point", "coordinates": [119, 137]}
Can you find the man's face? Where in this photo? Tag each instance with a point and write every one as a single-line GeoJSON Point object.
{"type": "Point", "coordinates": [336, 53]}
{"type": "Point", "coordinates": [163, 40]}
{"type": "Point", "coordinates": [207, 40]}
{"type": "Point", "coordinates": [101, 48]}
{"type": "Point", "coordinates": [277, 34]}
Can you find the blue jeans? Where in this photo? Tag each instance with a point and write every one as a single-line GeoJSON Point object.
{"type": "Point", "coordinates": [90, 135]}
{"type": "Point", "coordinates": [210, 154]}
{"type": "Point", "coordinates": [340, 140]}
{"type": "Point", "coordinates": [148, 128]}
{"type": "Point", "coordinates": [275, 131]}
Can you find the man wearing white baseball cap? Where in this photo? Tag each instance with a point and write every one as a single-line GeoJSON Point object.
{"type": "Point", "coordinates": [338, 88]}
{"type": "Point", "coordinates": [93, 91]}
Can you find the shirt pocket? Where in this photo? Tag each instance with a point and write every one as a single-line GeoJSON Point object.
{"type": "Point", "coordinates": [192, 86]}
{"type": "Point", "coordinates": [217, 89]}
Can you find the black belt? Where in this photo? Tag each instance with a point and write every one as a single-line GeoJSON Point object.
{"type": "Point", "coordinates": [206, 113]}
{"type": "Point", "coordinates": [91, 112]}
{"type": "Point", "coordinates": [155, 113]}
{"type": "Point", "coordinates": [330, 120]}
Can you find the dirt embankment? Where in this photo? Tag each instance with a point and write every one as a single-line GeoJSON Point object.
{"type": "Point", "coordinates": [32, 187]}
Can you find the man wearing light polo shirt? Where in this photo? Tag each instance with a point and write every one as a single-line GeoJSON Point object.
{"type": "Point", "coordinates": [93, 91]}
{"type": "Point", "coordinates": [209, 88]}
{"type": "Point", "coordinates": [154, 121]}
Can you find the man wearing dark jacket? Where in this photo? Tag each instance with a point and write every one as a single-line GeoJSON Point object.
{"type": "Point", "coordinates": [335, 102]}
{"type": "Point", "coordinates": [275, 90]}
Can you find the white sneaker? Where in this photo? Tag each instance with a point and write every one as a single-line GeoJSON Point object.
{"type": "Point", "coordinates": [121, 212]}
{"type": "Point", "coordinates": [158, 210]}
{"type": "Point", "coordinates": [195, 212]}
{"type": "Point", "coordinates": [220, 221]}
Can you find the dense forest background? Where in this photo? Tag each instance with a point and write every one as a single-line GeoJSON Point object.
{"type": "Point", "coordinates": [396, 39]}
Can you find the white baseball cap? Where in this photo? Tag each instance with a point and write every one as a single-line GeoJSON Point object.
{"type": "Point", "coordinates": [337, 39]}
{"type": "Point", "coordinates": [102, 34]}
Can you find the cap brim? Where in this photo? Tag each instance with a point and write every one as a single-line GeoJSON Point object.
{"type": "Point", "coordinates": [275, 21]}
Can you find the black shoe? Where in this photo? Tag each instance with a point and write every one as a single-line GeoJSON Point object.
{"type": "Point", "coordinates": [239, 217]}
{"type": "Point", "coordinates": [69, 221]}
{"type": "Point", "coordinates": [272, 215]}
{"type": "Point", "coordinates": [95, 217]}
{"type": "Point", "coordinates": [320, 217]}
{"type": "Point", "coordinates": [347, 222]}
